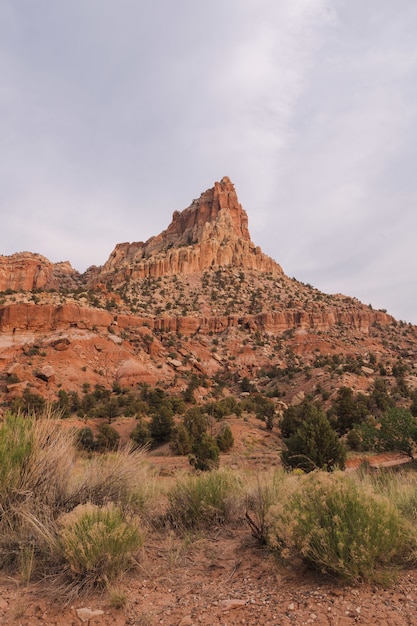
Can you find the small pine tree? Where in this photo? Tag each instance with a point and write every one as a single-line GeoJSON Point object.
{"type": "Point", "coordinates": [315, 445]}
{"type": "Point", "coordinates": [225, 439]}
{"type": "Point", "coordinates": [205, 453]}
{"type": "Point", "coordinates": [141, 434]}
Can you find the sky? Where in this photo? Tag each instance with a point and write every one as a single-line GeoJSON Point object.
{"type": "Point", "coordinates": [115, 113]}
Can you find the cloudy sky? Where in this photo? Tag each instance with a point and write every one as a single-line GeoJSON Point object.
{"type": "Point", "coordinates": [115, 113]}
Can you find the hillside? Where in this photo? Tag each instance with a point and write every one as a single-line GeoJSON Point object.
{"type": "Point", "coordinates": [198, 299]}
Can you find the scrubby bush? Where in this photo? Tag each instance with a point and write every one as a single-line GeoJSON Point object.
{"type": "Point", "coordinates": [107, 437]}
{"type": "Point", "coordinates": [314, 445]}
{"type": "Point", "coordinates": [141, 434]}
{"type": "Point", "coordinates": [180, 440]}
{"type": "Point", "coordinates": [97, 543]}
{"type": "Point", "coordinates": [85, 439]}
{"type": "Point", "coordinates": [204, 500]}
{"type": "Point", "coordinates": [340, 527]}
{"type": "Point", "coordinates": [225, 439]}
{"type": "Point", "coordinates": [205, 453]}
{"type": "Point", "coordinates": [42, 478]}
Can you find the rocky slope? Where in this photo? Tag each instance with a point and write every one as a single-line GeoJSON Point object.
{"type": "Point", "coordinates": [199, 298]}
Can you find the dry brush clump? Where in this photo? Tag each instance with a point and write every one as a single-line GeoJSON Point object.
{"type": "Point", "coordinates": [342, 527]}
{"type": "Point", "coordinates": [207, 499]}
{"type": "Point", "coordinates": [48, 494]}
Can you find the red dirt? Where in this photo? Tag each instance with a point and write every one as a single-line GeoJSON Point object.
{"type": "Point", "coordinates": [226, 579]}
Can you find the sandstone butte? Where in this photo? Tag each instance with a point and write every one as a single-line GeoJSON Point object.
{"type": "Point", "coordinates": [202, 275]}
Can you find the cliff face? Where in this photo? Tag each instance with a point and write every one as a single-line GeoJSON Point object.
{"type": "Point", "coordinates": [33, 317]}
{"type": "Point", "coordinates": [211, 233]}
{"type": "Point", "coordinates": [27, 271]}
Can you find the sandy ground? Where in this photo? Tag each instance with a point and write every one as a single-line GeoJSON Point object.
{"type": "Point", "coordinates": [225, 578]}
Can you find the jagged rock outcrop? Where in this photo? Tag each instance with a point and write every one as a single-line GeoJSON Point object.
{"type": "Point", "coordinates": [211, 233]}
{"type": "Point", "coordinates": [28, 271]}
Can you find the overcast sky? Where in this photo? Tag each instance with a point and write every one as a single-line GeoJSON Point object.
{"type": "Point", "coordinates": [115, 113]}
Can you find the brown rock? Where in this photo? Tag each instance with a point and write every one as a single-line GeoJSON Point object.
{"type": "Point", "coordinates": [28, 271]}
{"type": "Point", "coordinates": [212, 232]}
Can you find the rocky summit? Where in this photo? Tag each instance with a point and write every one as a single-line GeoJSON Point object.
{"type": "Point", "coordinates": [198, 301]}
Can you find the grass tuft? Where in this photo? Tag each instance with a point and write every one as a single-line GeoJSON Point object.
{"type": "Point", "coordinates": [203, 500]}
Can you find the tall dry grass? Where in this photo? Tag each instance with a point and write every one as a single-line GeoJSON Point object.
{"type": "Point", "coordinates": [43, 479]}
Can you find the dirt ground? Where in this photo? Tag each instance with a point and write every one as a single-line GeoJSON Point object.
{"type": "Point", "coordinates": [226, 579]}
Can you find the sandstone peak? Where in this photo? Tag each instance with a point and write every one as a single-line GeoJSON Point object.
{"type": "Point", "coordinates": [217, 211]}
{"type": "Point", "coordinates": [212, 232]}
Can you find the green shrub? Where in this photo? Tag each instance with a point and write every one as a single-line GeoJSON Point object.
{"type": "Point", "coordinates": [314, 445]}
{"type": "Point", "coordinates": [205, 453]}
{"type": "Point", "coordinates": [141, 434]}
{"type": "Point", "coordinates": [200, 501]}
{"type": "Point", "coordinates": [341, 528]}
{"type": "Point", "coordinates": [85, 439]}
{"type": "Point", "coordinates": [180, 440]}
{"type": "Point", "coordinates": [225, 439]}
{"type": "Point", "coordinates": [97, 543]}
{"type": "Point", "coordinates": [107, 437]}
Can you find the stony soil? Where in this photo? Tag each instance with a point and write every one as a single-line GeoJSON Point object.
{"type": "Point", "coordinates": [225, 578]}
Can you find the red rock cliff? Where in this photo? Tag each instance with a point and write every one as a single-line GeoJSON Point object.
{"type": "Point", "coordinates": [212, 232]}
{"type": "Point", "coordinates": [27, 271]}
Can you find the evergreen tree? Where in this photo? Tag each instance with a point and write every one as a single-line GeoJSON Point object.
{"type": "Point", "coordinates": [225, 439]}
{"type": "Point", "coordinates": [315, 445]}
{"type": "Point", "coordinates": [205, 453]}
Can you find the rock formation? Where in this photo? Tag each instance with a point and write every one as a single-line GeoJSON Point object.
{"type": "Point", "coordinates": [198, 299]}
{"type": "Point", "coordinates": [211, 233]}
{"type": "Point", "coordinates": [27, 271]}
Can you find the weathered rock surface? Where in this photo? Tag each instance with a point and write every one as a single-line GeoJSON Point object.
{"type": "Point", "coordinates": [29, 316]}
{"type": "Point", "coordinates": [28, 272]}
{"type": "Point", "coordinates": [212, 232]}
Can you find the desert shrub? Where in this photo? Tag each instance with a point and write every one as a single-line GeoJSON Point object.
{"type": "Point", "coordinates": [225, 439]}
{"type": "Point", "coordinates": [267, 490]}
{"type": "Point", "coordinates": [205, 453]}
{"type": "Point", "coordinates": [141, 434]}
{"type": "Point", "coordinates": [314, 445]}
{"type": "Point", "coordinates": [400, 487]}
{"type": "Point", "coordinates": [42, 478]}
{"type": "Point", "coordinates": [107, 437]}
{"type": "Point", "coordinates": [118, 477]}
{"type": "Point", "coordinates": [84, 439]}
{"type": "Point", "coordinates": [180, 440]}
{"type": "Point", "coordinates": [204, 500]}
{"type": "Point", "coordinates": [341, 528]}
{"type": "Point", "coordinates": [398, 431]}
{"type": "Point", "coordinates": [37, 457]}
{"type": "Point", "coordinates": [98, 543]}
{"type": "Point", "coordinates": [162, 423]}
